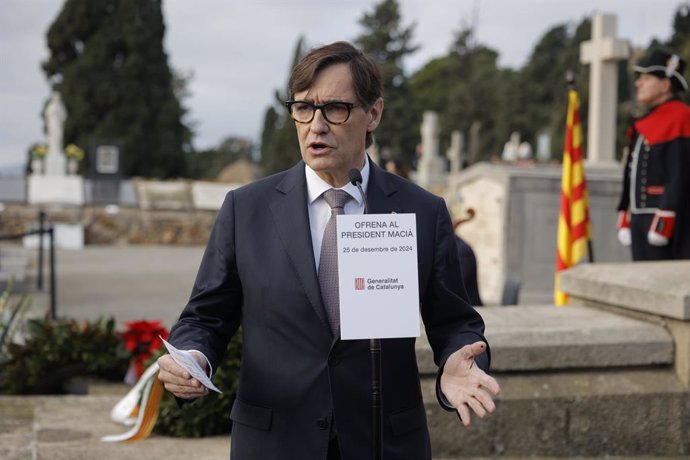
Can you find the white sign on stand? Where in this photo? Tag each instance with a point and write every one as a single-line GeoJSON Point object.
{"type": "Point", "coordinates": [377, 269]}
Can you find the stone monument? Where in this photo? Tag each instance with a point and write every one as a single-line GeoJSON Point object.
{"type": "Point", "coordinates": [455, 153]}
{"type": "Point", "coordinates": [544, 147]}
{"type": "Point", "coordinates": [55, 115]}
{"type": "Point", "coordinates": [510, 149]}
{"type": "Point", "coordinates": [602, 53]}
{"type": "Point", "coordinates": [514, 231]}
{"type": "Point", "coordinates": [431, 168]}
{"type": "Point", "coordinates": [54, 186]}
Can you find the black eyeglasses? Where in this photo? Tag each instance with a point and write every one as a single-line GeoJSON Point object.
{"type": "Point", "coordinates": [334, 112]}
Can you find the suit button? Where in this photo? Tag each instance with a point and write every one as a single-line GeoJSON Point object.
{"type": "Point", "coordinates": [333, 361]}
{"type": "Point", "coordinates": [322, 424]}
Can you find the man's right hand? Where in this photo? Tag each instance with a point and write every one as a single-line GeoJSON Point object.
{"type": "Point", "coordinates": [177, 380]}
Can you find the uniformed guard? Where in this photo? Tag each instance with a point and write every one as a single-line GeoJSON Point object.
{"type": "Point", "coordinates": [654, 210]}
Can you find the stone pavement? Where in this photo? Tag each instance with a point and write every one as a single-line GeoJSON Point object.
{"type": "Point", "coordinates": [70, 427]}
{"type": "Point", "coordinates": [129, 283]}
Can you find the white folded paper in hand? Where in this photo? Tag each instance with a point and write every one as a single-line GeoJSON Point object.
{"type": "Point", "coordinates": [186, 359]}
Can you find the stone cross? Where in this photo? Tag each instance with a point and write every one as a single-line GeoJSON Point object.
{"type": "Point", "coordinates": [474, 141]}
{"type": "Point", "coordinates": [431, 167]}
{"type": "Point", "coordinates": [430, 132]}
{"type": "Point", "coordinates": [454, 152]}
{"type": "Point", "coordinates": [602, 53]}
{"type": "Point", "coordinates": [55, 116]}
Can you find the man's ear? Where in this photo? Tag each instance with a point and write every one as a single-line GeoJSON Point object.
{"type": "Point", "coordinates": [668, 85]}
{"type": "Point", "coordinates": [375, 113]}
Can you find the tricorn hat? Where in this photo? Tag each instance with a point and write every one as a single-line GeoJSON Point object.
{"type": "Point", "coordinates": [665, 65]}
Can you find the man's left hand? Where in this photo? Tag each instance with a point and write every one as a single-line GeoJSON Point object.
{"type": "Point", "coordinates": [466, 386]}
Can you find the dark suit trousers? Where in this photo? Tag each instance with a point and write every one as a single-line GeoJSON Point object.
{"type": "Point", "coordinates": [333, 450]}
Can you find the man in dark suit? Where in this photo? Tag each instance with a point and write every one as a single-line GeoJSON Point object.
{"type": "Point", "coordinates": [304, 393]}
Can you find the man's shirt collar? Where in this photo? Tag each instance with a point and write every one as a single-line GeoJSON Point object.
{"type": "Point", "coordinates": [316, 186]}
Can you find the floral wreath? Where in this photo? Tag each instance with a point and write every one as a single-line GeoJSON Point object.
{"type": "Point", "coordinates": [142, 340]}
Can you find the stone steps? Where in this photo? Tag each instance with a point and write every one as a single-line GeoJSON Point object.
{"type": "Point", "coordinates": [575, 381]}
{"type": "Point", "coordinates": [547, 338]}
{"type": "Point", "coordinates": [596, 414]}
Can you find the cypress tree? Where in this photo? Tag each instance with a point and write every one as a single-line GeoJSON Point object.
{"type": "Point", "coordinates": [108, 63]}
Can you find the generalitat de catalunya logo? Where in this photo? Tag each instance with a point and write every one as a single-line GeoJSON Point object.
{"type": "Point", "coordinates": [359, 284]}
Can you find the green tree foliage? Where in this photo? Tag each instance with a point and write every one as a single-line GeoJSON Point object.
{"type": "Point", "coordinates": [466, 86]}
{"type": "Point", "coordinates": [208, 164]}
{"type": "Point", "coordinates": [107, 61]}
{"type": "Point", "coordinates": [390, 42]}
{"type": "Point", "coordinates": [279, 145]}
{"type": "Point", "coordinates": [463, 87]}
{"type": "Point", "coordinates": [542, 85]}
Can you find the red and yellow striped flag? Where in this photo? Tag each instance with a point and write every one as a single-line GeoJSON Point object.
{"type": "Point", "coordinates": [574, 229]}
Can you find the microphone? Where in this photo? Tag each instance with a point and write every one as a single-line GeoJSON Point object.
{"type": "Point", "coordinates": [356, 180]}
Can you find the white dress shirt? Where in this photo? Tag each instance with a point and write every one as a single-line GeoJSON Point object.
{"type": "Point", "coordinates": [320, 211]}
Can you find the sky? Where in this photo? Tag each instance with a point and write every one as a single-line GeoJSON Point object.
{"type": "Point", "coordinates": [239, 53]}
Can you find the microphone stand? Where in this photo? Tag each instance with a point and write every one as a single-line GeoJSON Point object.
{"type": "Point", "coordinates": [375, 354]}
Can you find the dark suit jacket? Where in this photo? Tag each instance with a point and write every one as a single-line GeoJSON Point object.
{"type": "Point", "coordinates": [296, 379]}
{"type": "Point", "coordinates": [468, 266]}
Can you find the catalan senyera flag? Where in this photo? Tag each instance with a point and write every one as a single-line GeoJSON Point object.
{"type": "Point", "coordinates": [574, 229]}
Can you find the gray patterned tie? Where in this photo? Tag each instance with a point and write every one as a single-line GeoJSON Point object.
{"type": "Point", "coordinates": [328, 262]}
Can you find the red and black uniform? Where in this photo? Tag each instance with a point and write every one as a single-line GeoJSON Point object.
{"type": "Point", "coordinates": [656, 185]}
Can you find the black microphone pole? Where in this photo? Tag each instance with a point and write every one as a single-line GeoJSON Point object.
{"type": "Point", "coordinates": [375, 353]}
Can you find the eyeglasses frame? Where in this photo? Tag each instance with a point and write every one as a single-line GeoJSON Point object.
{"type": "Point", "coordinates": [349, 105]}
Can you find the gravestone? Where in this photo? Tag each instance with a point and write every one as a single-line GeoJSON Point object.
{"type": "Point", "coordinates": [431, 168]}
{"type": "Point", "coordinates": [543, 147]}
{"type": "Point", "coordinates": [54, 186]}
{"type": "Point", "coordinates": [602, 53]}
{"type": "Point", "coordinates": [105, 172]}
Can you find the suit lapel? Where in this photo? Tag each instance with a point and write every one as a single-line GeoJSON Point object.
{"type": "Point", "coordinates": [291, 219]}
{"type": "Point", "coordinates": [381, 191]}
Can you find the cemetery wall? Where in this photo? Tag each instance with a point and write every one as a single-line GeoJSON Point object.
{"type": "Point", "coordinates": [129, 226]}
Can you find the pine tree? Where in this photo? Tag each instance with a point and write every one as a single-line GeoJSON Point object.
{"type": "Point", "coordinates": [389, 42]}
{"type": "Point", "coordinates": [108, 63]}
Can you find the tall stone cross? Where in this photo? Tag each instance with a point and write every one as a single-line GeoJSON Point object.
{"type": "Point", "coordinates": [602, 53]}
{"type": "Point", "coordinates": [431, 167]}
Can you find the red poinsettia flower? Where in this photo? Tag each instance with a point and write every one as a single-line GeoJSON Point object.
{"type": "Point", "coordinates": [142, 340]}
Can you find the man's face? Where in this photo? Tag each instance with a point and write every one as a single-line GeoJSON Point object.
{"type": "Point", "coordinates": [332, 150]}
{"type": "Point", "coordinates": [651, 90]}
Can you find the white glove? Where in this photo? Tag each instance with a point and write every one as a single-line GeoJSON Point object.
{"type": "Point", "coordinates": [624, 236]}
{"type": "Point", "coordinates": [656, 239]}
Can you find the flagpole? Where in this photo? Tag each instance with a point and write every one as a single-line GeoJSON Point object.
{"type": "Point", "coordinates": [590, 251]}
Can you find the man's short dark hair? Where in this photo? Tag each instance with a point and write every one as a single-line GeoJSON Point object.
{"type": "Point", "coordinates": [367, 76]}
